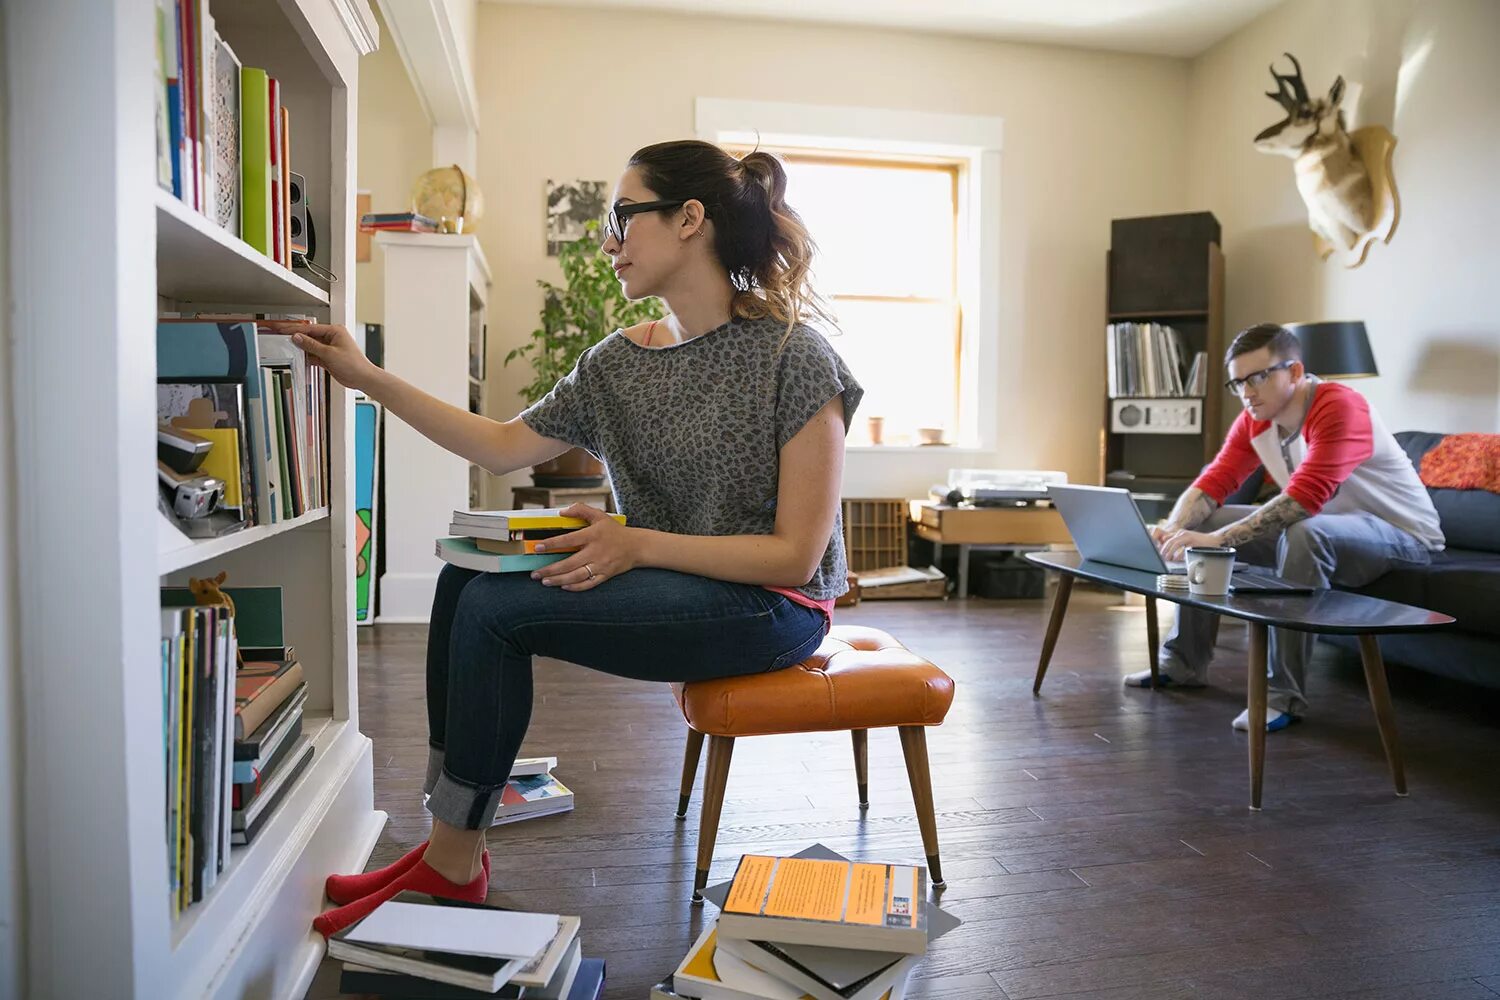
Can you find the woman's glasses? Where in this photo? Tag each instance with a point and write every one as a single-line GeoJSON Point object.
{"type": "Point", "coordinates": [619, 215]}
{"type": "Point", "coordinates": [1255, 379]}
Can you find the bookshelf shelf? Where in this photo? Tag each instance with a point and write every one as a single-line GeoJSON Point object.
{"type": "Point", "coordinates": [197, 261]}
{"type": "Point", "coordinates": [194, 552]}
{"type": "Point", "coordinates": [1126, 317]}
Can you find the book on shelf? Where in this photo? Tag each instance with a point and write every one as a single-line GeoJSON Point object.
{"type": "Point", "coordinates": [251, 776]}
{"type": "Point", "coordinates": [260, 688]}
{"type": "Point", "coordinates": [198, 647]}
{"type": "Point", "coordinates": [839, 904]}
{"type": "Point", "coordinates": [406, 222]}
{"type": "Point", "coordinates": [1151, 360]}
{"type": "Point", "coordinates": [257, 748]}
{"type": "Point", "coordinates": [472, 945]}
{"type": "Point", "coordinates": [247, 822]}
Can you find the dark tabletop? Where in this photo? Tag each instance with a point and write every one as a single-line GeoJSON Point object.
{"type": "Point", "coordinates": [1326, 611]}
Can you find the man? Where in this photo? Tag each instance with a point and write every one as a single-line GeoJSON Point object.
{"type": "Point", "coordinates": [1351, 506]}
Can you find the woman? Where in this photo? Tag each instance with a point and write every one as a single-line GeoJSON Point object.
{"type": "Point", "coordinates": [722, 428]}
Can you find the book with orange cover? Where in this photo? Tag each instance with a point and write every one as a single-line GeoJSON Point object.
{"type": "Point", "coordinates": [260, 689]}
{"type": "Point", "coordinates": [838, 904]}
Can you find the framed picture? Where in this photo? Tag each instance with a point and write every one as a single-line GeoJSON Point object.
{"type": "Point", "coordinates": [569, 206]}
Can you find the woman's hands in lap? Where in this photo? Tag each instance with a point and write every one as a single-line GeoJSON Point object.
{"type": "Point", "coordinates": [606, 548]}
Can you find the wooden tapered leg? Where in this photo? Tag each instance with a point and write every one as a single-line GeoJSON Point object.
{"type": "Point", "coordinates": [1255, 685]}
{"type": "Point", "coordinates": [1152, 636]}
{"type": "Point", "coordinates": [862, 765]}
{"type": "Point", "coordinates": [1054, 626]}
{"type": "Point", "coordinates": [720, 749]}
{"type": "Point", "coordinates": [914, 748]}
{"type": "Point", "coordinates": [1380, 700]}
{"type": "Point", "coordinates": [689, 770]}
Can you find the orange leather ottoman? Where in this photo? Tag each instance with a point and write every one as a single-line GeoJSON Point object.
{"type": "Point", "coordinates": [859, 679]}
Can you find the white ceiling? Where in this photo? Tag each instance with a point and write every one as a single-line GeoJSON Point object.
{"type": "Point", "coordinates": [1159, 27]}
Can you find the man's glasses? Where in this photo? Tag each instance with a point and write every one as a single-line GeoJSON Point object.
{"type": "Point", "coordinates": [1255, 379]}
{"type": "Point", "coordinates": [619, 215]}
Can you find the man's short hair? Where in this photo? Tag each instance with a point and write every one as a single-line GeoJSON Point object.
{"type": "Point", "coordinates": [1283, 343]}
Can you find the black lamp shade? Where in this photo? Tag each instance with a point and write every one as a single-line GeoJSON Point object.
{"type": "Point", "coordinates": [1336, 349]}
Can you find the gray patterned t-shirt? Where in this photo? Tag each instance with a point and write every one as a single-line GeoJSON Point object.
{"type": "Point", "coordinates": [691, 434]}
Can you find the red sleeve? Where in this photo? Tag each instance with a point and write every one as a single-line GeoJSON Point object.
{"type": "Point", "coordinates": [1233, 464]}
{"type": "Point", "coordinates": [1339, 439]}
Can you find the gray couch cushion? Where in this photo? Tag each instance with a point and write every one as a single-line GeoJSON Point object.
{"type": "Point", "coordinates": [1463, 583]}
{"type": "Point", "coordinates": [1470, 518]}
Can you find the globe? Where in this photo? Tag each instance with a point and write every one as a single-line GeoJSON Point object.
{"type": "Point", "coordinates": [449, 197]}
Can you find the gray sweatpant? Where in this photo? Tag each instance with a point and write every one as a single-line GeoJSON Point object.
{"type": "Point", "coordinates": [1349, 550]}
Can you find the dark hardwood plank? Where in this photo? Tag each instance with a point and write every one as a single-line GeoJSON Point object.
{"type": "Point", "coordinates": [1095, 840]}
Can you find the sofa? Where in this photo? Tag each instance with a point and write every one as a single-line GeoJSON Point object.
{"type": "Point", "coordinates": [1463, 581]}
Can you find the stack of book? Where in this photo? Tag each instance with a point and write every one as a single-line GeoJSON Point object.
{"type": "Point", "coordinates": [812, 926]}
{"type": "Point", "coordinates": [417, 945]}
{"type": "Point", "coordinates": [270, 750]}
{"type": "Point", "coordinates": [252, 393]}
{"type": "Point", "coordinates": [223, 133]}
{"type": "Point", "coordinates": [505, 541]}
{"type": "Point", "coordinates": [531, 791]}
{"type": "Point", "coordinates": [1152, 361]}
{"type": "Point", "coordinates": [400, 222]}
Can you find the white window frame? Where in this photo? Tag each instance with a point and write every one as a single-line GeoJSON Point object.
{"type": "Point", "coordinates": [973, 141]}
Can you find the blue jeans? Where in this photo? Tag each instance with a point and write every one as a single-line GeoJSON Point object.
{"type": "Point", "coordinates": [1347, 550]}
{"type": "Point", "coordinates": [647, 624]}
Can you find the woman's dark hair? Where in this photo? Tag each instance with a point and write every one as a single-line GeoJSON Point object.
{"type": "Point", "coordinates": [759, 239]}
{"type": "Point", "coordinates": [1283, 343]}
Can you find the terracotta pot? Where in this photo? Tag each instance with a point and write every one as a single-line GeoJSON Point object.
{"type": "Point", "coordinates": [571, 468]}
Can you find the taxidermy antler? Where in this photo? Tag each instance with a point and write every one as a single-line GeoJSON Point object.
{"type": "Point", "coordinates": [1344, 208]}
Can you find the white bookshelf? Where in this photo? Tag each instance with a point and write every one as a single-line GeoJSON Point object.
{"type": "Point", "coordinates": [436, 289]}
{"type": "Point", "coordinates": [104, 250]}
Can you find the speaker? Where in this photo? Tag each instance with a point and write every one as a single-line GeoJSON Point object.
{"type": "Point", "coordinates": [297, 214]}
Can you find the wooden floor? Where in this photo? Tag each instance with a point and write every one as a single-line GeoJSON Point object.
{"type": "Point", "coordinates": [1096, 841]}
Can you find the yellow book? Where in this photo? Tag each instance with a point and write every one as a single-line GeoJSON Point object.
{"type": "Point", "coordinates": [836, 904]}
{"type": "Point", "coordinates": [223, 462]}
{"type": "Point", "coordinates": [493, 522]}
{"type": "Point", "coordinates": [710, 971]}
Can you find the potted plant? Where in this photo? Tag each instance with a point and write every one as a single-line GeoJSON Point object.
{"type": "Point", "coordinates": [576, 315]}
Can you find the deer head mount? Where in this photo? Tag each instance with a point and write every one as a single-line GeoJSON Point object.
{"type": "Point", "coordinates": [1344, 179]}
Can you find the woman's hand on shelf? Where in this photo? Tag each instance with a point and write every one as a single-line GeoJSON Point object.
{"type": "Point", "coordinates": [606, 548]}
{"type": "Point", "coordinates": [332, 347]}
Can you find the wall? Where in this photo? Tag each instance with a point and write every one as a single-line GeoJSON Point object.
{"type": "Point", "coordinates": [1426, 71]}
{"type": "Point", "coordinates": [395, 147]}
{"type": "Point", "coordinates": [12, 947]}
{"type": "Point", "coordinates": [568, 93]}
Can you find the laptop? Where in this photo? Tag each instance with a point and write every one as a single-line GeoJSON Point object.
{"type": "Point", "coordinates": [1107, 527]}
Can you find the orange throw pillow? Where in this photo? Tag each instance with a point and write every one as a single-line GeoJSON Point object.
{"type": "Point", "coordinates": [1463, 462]}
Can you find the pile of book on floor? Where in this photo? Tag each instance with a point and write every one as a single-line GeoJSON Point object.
{"type": "Point", "coordinates": [505, 541]}
{"type": "Point", "coordinates": [531, 791]}
{"type": "Point", "coordinates": [416, 945]}
{"type": "Point", "coordinates": [814, 925]}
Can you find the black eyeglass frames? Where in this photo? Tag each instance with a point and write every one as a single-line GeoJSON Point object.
{"type": "Point", "coordinates": [618, 215]}
{"type": "Point", "coordinates": [1255, 379]}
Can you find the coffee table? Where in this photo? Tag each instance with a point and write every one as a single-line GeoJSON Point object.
{"type": "Point", "coordinates": [1327, 612]}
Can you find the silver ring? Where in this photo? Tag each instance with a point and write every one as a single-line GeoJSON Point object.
{"type": "Point", "coordinates": [590, 569]}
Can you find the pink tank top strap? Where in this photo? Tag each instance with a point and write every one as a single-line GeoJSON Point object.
{"type": "Point", "coordinates": [649, 331]}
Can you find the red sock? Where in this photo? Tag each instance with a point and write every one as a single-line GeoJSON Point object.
{"type": "Point", "coordinates": [420, 878]}
{"type": "Point", "coordinates": [343, 889]}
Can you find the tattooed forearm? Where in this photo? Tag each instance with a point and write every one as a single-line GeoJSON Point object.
{"type": "Point", "coordinates": [1191, 509]}
{"type": "Point", "coordinates": [1271, 519]}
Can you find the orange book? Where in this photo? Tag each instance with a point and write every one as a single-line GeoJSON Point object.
{"type": "Point", "coordinates": [835, 904]}
{"type": "Point", "coordinates": [517, 547]}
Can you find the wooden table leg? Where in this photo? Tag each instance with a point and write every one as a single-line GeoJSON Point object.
{"type": "Point", "coordinates": [1152, 635]}
{"type": "Point", "coordinates": [1054, 626]}
{"type": "Point", "coordinates": [1255, 685]}
{"type": "Point", "coordinates": [1380, 700]}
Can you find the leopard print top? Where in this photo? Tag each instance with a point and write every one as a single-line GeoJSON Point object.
{"type": "Point", "coordinates": [691, 434]}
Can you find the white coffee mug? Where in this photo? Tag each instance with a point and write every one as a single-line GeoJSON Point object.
{"type": "Point", "coordinates": [1209, 570]}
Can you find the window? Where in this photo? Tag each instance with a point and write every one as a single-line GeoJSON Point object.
{"type": "Point", "coordinates": [887, 234]}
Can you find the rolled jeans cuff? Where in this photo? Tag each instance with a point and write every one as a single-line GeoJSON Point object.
{"type": "Point", "coordinates": [435, 756]}
{"type": "Point", "coordinates": [462, 805]}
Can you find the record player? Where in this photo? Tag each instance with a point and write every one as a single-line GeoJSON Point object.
{"type": "Point", "coordinates": [997, 487]}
